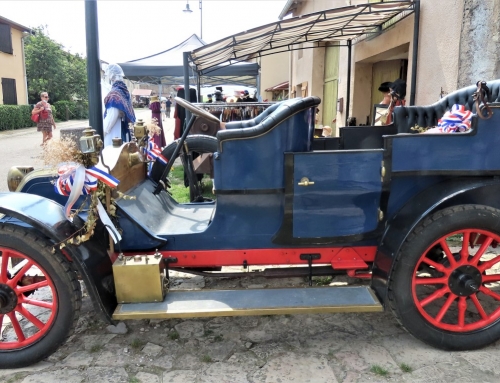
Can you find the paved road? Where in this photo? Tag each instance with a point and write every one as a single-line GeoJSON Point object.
{"type": "Point", "coordinates": [22, 147]}
{"type": "Point", "coordinates": [320, 348]}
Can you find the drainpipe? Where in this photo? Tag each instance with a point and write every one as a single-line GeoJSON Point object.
{"type": "Point", "coordinates": [25, 34]}
{"type": "Point", "coordinates": [416, 29]}
{"type": "Point", "coordinates": [348, 98]}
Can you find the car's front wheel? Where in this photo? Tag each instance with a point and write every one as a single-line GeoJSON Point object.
{"type": "Point", "coordinates": [40, 298]}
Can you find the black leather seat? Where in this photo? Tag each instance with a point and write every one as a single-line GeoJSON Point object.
{"type": "Point", "coordinates": [278, 114]}
{"type": "Point", "coordinates": [253, 121]}
{"type": "Point", "coordinates": [406, 117]}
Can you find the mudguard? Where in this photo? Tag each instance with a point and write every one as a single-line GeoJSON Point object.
{"type": "Point", "coordinates": [456, 191]}
{"type": "Point", "coordinates": [90, 258]}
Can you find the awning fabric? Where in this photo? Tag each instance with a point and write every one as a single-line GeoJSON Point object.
{"type": "Point", "coordinates": [282, 86]}
{"type": "Point", "coordinates": [141, 92]}
{"type": "Point", "coordinates": [354, 23]}
{"type": "Point", "coordinates": [167, 68]}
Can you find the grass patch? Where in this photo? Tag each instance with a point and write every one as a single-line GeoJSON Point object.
{"type": "Point", "coordinates": [133, 380]}
{"type": "Point", "coordinates": [379, 370]}
{"type": "Point", "coordinates": [173, 335]}
{"type": "Point", "coordinates": [181, 193]}
{"type": "Point", "coordinates": [15, 378]}
{"type": "Point", "coordinates": [206, 359]}
{"type": "Point", "coordinates": [96, 348]}
{"type": "Point", "coordinates": [137, 344]}
{"type": "Point", "coordinates": [218, 338]}
{"type": "Point", "coordinates": [405, 367]}
{"type": "Point", "coordinates": [322, 281]}
{"type": "Point", "coordinates": [207, 332]}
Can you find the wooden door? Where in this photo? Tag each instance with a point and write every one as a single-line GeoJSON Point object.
{"type": "Point", "coordinates": [330, 87]}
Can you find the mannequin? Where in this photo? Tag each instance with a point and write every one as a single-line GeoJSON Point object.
{"type": "Point", "coordinates": [155, 108]}
{"type": "Point", "coordinates": [118, 107]}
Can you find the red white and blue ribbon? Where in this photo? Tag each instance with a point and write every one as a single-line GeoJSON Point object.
{"type": "Point", "coordinates": [458, 119]}
{"type": "Point", "coordinates": [153, 153]}
{"type": "Point", "coordinates": [75, 180]}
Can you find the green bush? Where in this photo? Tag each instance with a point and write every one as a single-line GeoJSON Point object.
{"type": "Point", "coordinates": [15, 117]}
{"type": "Point", "coordinates": [71, 110]}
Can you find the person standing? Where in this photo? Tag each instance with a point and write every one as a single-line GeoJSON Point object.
{"type": "Point", "coordinates": [168, 105]}
{"type": "Point", "coordinates": [119, 111]}
{"type": "Point", "coordinates": [163, 110]}
{"type": "Point", "coordinates": [45, 120]}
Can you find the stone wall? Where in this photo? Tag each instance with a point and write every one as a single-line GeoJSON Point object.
{"type": "Point", "coordinates": [479, 42]}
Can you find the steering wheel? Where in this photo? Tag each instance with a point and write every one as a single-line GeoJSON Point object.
{"type": "Point", "coordinates": [195, 110]}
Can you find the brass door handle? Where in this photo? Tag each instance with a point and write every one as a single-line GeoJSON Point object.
{"type": "Point", "coordinates": [304, 181]}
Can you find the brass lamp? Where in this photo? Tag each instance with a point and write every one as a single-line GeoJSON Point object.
{"type": "Point", "coordinates": [140, 130]}
{"type": "Point", "coordinates": [91, 143]}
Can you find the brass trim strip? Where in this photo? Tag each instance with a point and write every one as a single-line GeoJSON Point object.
{"type": "Point", "coordinates": [242, 312]}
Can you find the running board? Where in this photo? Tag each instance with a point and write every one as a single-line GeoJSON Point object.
{"type": "Point", "coordinates": [213, 303]}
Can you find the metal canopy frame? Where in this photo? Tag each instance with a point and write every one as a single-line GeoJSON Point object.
{"type": "Point", "coordinates": [348, 25]}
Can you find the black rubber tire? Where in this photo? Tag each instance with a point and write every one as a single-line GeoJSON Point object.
{"type": "Point", "coordinates": [400, 298]}
{"type": "Point", "coordinates": [197, 143]}
{"type": "Point", "coordinates": [67, 291]}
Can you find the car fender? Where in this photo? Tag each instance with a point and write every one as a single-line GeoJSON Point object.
{"type": "Point", "coordinates": [90, 258]}
{"type": "Point", "coordinates": [451, 192]}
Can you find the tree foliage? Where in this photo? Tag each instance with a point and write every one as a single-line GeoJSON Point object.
{"type": "Point", "coordinates": [49, 68]}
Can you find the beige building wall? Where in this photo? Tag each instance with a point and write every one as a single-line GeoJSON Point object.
{"type": "Point", "coordinates": [274, 70]}
{"type": "Point", "coordinates": [438, 56]}
{"type": "Point", "coordinates": [12, 66]}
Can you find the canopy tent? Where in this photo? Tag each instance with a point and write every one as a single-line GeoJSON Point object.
{"type": "Point", "coordinates": [167, 68]}
{"type": "Point", "coordinates": [352, 23]}
{"type": "Point", "coordinates": [345, 26]}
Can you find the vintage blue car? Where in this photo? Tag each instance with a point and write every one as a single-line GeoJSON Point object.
{"type": "Point", "coordinates": [416, 215]}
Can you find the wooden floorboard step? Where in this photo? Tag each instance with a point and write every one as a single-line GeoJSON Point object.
{"type": "Point", "coordinates": [210, 303]}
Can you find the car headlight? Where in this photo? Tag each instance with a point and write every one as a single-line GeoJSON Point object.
{"type": "Point", "coordinates": [16, 175]}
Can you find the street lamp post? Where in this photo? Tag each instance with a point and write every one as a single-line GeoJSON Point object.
{"type": "Point", "coordinates": [188, 10]}
{"type": "Point", "coordinates": [201, 21]}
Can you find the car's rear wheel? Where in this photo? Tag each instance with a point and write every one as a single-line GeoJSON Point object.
{"type": "Point", "coordinates": [40, 298]}
{"type": "Point", "coordinates": [445, 286]}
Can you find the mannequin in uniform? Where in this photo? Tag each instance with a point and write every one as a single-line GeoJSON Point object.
{"type": "Point", "coordinates": [118, 107]}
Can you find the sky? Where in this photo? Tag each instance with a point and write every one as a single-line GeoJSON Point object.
{"type": "Point", "coordinates": [133, 29]}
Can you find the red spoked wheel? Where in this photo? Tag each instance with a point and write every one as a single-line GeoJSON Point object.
{"type": "Point", "coordinates": [27, 305]}
{"type": "Point", "coordinates": [449, 267]}
{"type": "Point", "coordinates": [454, 290]}
{"type": "Point", "coordinates": [39, 298]}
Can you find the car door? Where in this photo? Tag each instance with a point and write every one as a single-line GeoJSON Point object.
{"type": "Point", "coordinates": [336, 193]}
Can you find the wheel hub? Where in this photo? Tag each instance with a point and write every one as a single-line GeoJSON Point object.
{"type": "Point", "coordinates": [465, 281]}
{"type": "Point", "coordinates": [8, 299]}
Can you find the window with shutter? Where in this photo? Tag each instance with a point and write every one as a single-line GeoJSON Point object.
{"type": "Point", "coordinates": [9, 91]}
{"type": "Point", "coordinates": [5, 39]}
